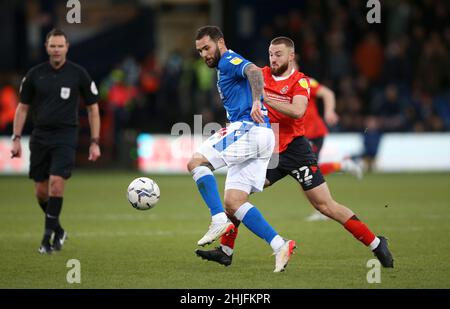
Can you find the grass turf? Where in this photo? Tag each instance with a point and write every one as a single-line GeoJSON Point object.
{"type": "Point", "coordinates": [120, 247]}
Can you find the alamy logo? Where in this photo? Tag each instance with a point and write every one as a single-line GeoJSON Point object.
{"type": "Point", "coordinates": [374, 274]}
{"type": "Point", "coordinates": [74, 14]}
{"type": "Point", "coordinates": [74, 274]}
{"type": "Point", "coordinates": [374, 14]}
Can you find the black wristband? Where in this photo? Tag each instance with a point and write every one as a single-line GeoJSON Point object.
{"type": "Point", "coordinates": [95, 140]}
{"type": "Point", "coordinates": [15, 136]}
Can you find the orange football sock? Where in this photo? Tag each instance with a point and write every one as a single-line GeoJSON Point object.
{"type": "Point", "coordinates": [359, 230]}
{"type": "Point", "coordinates": [228, 240]}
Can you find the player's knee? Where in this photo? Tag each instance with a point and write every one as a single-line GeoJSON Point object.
{"type": "Point", "coordinates": [56, 186]}
{"type": "Point", "coordinates": [191, 165]}
{"type": "Point", "coordinates": [267, 183]}
{"type": "Point", "coordinates": [232, 203]}
{"type": "Point", "coordinates": [230, 206]}
{"type": "Point", "coordinates": [194, 162]}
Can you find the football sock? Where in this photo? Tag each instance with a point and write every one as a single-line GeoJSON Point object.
{"type": "Point", "coordinates": [43, 205]}
{"type": "Point", "coordinates": [227, 241]}
{"type": "Point", "coordinates": [328, 168]}
{"type": "Point", "coordinates": [255, 222]}
{"type": "Point", "coordinates": [361, 232]}
{"type": "Point", "coordinates": [206, 184]}
{"type": "Point", "coordinates": [276, 243]}
{"type": "Point", "coordinates": [52, 216]}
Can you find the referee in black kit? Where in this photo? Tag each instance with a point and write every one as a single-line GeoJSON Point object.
{"type": "Point", "coordinates": [50, 92]}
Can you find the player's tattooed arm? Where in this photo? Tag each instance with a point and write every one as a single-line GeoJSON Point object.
{"type": "Point", "coordinates": [256, 80]}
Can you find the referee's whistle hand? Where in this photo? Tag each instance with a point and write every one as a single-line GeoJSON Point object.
{"type": "Point", "coordinates": [94, 152]}
{"type": "Point", "coordinates": [16, 151]}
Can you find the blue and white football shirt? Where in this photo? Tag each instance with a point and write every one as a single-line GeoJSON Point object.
{"type": "Point", "coordinates": [234, 88]}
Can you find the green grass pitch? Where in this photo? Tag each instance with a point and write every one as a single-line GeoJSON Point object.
{"type": "Point", "coordinates": [120, 247]}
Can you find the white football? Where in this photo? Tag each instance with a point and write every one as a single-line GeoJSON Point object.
{"type": "Point", "coordinates": [143, 193]}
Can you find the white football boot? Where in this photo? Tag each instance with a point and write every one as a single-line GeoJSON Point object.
{"type": "Point", "coordinates": [215, 231]}
{"type": "Point", "coordinates": [316, 216]}
{"type": "Point", "coordinates": [283, 255]}
{"type": "Point", "coordinates": [353, 168]}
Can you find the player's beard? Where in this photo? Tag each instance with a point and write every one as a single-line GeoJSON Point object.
{"type": "Point", "coordinates": [280, 70]}
{"type": "Point", "coordinates": [215, 60]}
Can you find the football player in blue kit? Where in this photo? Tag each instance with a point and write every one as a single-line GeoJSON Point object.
{"type": "Point", "coordinates": [245, 147]}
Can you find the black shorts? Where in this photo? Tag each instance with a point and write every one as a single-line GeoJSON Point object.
{"type": "Point", "coordinates": [51, 157]}
{"type": "Point", "coordinates": [298, 161]}
{"type": "Point", "coordinates": [316, 145]}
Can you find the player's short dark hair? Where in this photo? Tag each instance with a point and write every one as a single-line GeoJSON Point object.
{"type": "Point", "coordinates": [283, 40]}
{"type": "Point", "coordinates": [213, 32]}
{"type": "Point", "coordinates": [56, 32]}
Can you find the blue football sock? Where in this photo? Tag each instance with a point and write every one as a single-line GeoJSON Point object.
{"type": "Point", "coordinates": [255, 222]}
{"type": "Point", "coordinates": [206, 183]}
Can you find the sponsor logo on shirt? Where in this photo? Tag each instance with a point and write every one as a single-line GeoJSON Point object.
{"type": "Point", "coordinates": [236, 60]}
{"type": "Point", "coordinates": [278, 98]}
{"type": "Point", "coordinates": [303, 83]}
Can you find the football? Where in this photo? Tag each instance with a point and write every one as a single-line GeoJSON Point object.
{"type": "Point", "coordinates": [143, 193]}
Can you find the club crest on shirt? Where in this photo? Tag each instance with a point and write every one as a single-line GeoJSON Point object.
{"type": "Point", "coordinates": [284, 90]}
{"type": "Point", "coordinates": [65, 93]}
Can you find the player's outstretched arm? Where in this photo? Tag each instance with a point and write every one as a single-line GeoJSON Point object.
{"type": "Point", "coordinates": [329, 102]}
{"type": "Point", "coordinates": [94, 123]}
{"type": "Point", "coordinates": [256, 81]}
{"type": "Point", "coordinates": [19, 121]}
{"type": "Point", "coordinates": [296, 109]}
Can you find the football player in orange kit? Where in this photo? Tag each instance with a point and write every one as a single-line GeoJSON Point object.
{"type": "Point", "coordinates": [287, 92]}
{"type": "Point", "coordinates": [316, 130]}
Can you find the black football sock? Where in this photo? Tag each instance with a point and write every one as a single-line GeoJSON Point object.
{"type": "Point", "coordinates": [43, 205]}
{"type": "Point", "coordinates": [52, 217]}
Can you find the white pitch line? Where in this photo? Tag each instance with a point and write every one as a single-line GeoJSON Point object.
{"type": "Point", "coordinates": [105, 234]}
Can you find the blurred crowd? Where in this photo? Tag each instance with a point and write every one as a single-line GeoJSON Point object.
{"type": "Point", "coordinates": [392, 76]}
{"type": "Point", "coordinates": [388, 77]}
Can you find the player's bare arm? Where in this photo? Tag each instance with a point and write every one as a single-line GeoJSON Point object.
{"type": "Point", "coordinates": [329, 102]}
{"type": "Point", "coordinates": [94, 123]}
{"type": "Point", "coordinates": [19, 121]}
{"type": "Point", "coordinates": [296, 109]}
{"type": "Point", "coordinates": [256, 80]}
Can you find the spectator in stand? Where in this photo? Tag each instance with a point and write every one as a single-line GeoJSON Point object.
{"type": "Point", "coordinates": [369, 57]}
{"type": "Point", "coordinates": [8, 104]}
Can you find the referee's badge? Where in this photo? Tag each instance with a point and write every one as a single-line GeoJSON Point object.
{"type": "Point", "coordinates": [94, 88]}
{"type": "Point", "coordinates": [65, 93]}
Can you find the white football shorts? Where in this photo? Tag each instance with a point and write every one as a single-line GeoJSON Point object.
{"type": "Point", "coordinates": [245, 148]}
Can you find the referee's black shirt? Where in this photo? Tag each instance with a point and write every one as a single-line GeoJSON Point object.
{"type": "Point", "coordinates": [54, 95]}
